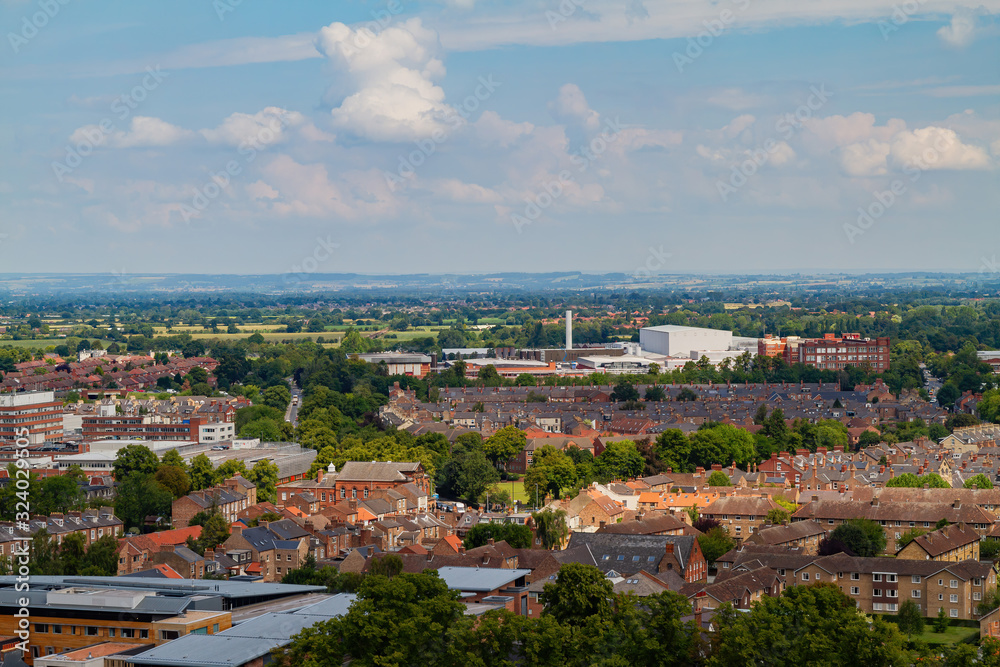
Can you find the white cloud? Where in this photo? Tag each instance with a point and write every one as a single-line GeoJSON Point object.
{"type": "Point", "coordinates": [491, 128]}
{"type": "Point", "coordinates": [937, 148]}
{"type": "Point", "coordinates": [143, 132]}
{"type": "Point", "coordinates": [868, 158]}
{"type": "Point", "coordinates": [961, 31]}
{"type": "Point", "coordinates": [309, 191]}
{"type": "Point", "coordinates": [392, 73]}
{"type": "Point", "coordinates": [266, 127]}
{"type": "Point", "coordinates": [927, 148]}
{"type": "Point", "coordinates": [455, 190]}
{"type": "Point", "coordinates": [571, 107]}
{"type": "Point", "coordinates": [822, 135]}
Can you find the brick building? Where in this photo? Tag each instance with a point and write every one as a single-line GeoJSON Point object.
{"type": "Point", "coordinates": [741, 516]}
{"type": "Point", "coordinates": [829, 352]}
{"type": "Point", "coordinates": [226, 501]}
{"type": "Point", "coordinates": [952, 543]}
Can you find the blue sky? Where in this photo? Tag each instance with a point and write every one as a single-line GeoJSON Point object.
{"type": "Point", "coordinates": [395, 136]}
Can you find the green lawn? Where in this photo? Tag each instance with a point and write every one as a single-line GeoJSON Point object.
{"type": "Point", "coordinates": [516, 491]}
{"type": "Point", "coordinates": [954, 634]}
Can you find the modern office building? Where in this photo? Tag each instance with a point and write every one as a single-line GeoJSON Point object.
{"type": "Point", "coordinates": [37, 411]}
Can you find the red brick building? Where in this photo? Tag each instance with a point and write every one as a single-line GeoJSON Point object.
{"type": "Point", "coordinates": [829, 352]}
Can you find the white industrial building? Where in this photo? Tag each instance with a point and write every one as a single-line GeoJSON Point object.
{"type": "Point", "coordinates": [677, 341]}
{"type": "Point", "coordinates": [615, 365]}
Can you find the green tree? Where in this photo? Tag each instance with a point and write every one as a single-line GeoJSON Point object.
{"type": "Point", "coordinates": [134, 458]}
{"type": "Point", "coordinates": [722, 443]}
{"type": "Point", "coordinates": [102, 558]}
{"type": "Point", "coordinates": [489, 376]}
{"type": "Point", "coordinates": [620, 460]}
{"type": "Point", "coordinates": [989, 548]}
{"type": "Point", "coordinates": [59, 493]}
{"type": "Point", "coordinates": [174, 479]}
{"type": "Point", "coordinates": [979, 481]}
{"type": "Point", "coordinates": [504, 445]}
{"type": "Point", "coordinates": [674, 450]}
{"type": "Point", "coordinates": [801, 624]}
{"type": "Point", "coordinates": [278, 397]}
{"type": "Point", "coordinates": [139, 495]}
{"type": "Point", "coordinates": [230, 468]}
{"type": "Point", "coordinates": [466, 475]}
{"type": "Point", "coordinates": [172, 458]}
{"type": "Point", "coordinates": [624, 391]}
{"type": "Point", "coordinates": [551, 527]}
{"type": "Point", "coordinates": [264, 475]}
{"type": "Point", "coordinates": [516, 535]}
{"type": "Point", "coordinates": [910, 619]}
{"type": "Point", "coordinates": [202, 473]}
{"type": "Point", "coordinates": [941, 622]}
{"type": "Point", "coordinates": [579, 592]}
{"type": "Point", "coordinates": [266, 430]}
{"type": "Point", "coordinates": [387, 565]}
{"type": "Point", "coordinates": [909, 536]}
{"type": "Point", "coordinates": [409, 619]}
{"type": "Point", "coordinates": [655, 393]}
{"type": "Point", "coordinates": [862, 537]}
{"type": "Point", "coordinates": [777, 516]}
{"type": "Point", "coordinates": [552, 470]}
{"type": "Point", "coordinates": [715, 543]}
{"type": "Point", "coordinates": [718, 478]}
{"type": "Point", "coordinates": [214, 530]}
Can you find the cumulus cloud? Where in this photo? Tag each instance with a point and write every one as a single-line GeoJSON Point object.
{"type": "Point", "coordinates": [392, 76]}
{"type": "Point", "coordinates": [927, 148]}
{"type": "Point", "coordinates": [571, 107]}
{"type": "Point", "coordinates": [289, 188]}
{"type": "Point", "coordinates": [491, 128]}
{"type": "Point", "coordinates": [143, 132]}
{"type": "Point", "coordinates": [961, 31]}
{"type": "Point", "coordinates": [266, 127]}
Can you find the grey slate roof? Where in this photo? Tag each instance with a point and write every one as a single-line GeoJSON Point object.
{"type": "Point", "coordinates": [627, 554]}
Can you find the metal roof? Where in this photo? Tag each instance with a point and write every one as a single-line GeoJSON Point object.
{"type": "Point", "coordinates": [479, 578]}
{"type": "Point", "coordinates": [208, 651]}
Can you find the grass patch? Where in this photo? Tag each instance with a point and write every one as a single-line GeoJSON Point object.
{"type": "Point", "coordinates": [516, 491]}
{"type": "Point", "coordinates": [33, 344]}
{"type": "Point", "coordinates": [955, 634]}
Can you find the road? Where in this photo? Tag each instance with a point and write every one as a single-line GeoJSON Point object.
{"type": "Point", "coordinates": [931, 383]}
{"type": "Point", "coordinates": [292, 413]}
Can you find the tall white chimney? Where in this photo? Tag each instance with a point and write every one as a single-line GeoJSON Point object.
{"type": "Point", "coordinates": [569, 329]}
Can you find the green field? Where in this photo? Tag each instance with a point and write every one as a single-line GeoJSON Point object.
{"type": "Point", "coordinates": [516, 491]}
{"type": "Point", "coordinates": [33, 344]}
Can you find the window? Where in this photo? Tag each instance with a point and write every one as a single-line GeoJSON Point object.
{"type": "Point", "coordinates": [200, 631]}
{"type": "Point", "coordinates": [111, 632]}
{"type": "Point", "coordinates": [854, 590]}
{"type": "Point", "coordinates": [805, 576]}
{"type": "Point", "coordinates": [877, 606]}
{"type": "Point", "coordinates": [620, 557]}
{"type": "Point", "coordinates": [891, 607]}
{"type": "Point", "coordinates": [635, 559]}
{"type": "Point", "coordinates": [57, 629]}
{"type": "Point", "coordinates": [855, 576]}
{"type": "Point", "coordinates": [977, 596]}
{"type": "Point", "coordinates": [143, 634]}
{"type": "Point", "coordinates": [876, 577]}
{"type": "Point", "coordinates": [915, 578]}
{"type": "Point", "coordinates": [877, 593]}
{"type": "Point", "coordinates": [215, 628]}
{"type": "Point", "coordinates": [954, 598]}
{"type": "Point", "coordinates": [169, 634]}
{"type": "Point", "coordinates": [915, 594]}
{"type": "Point", "coordinates": [891, 578]}
{"type": "Point", "coordinates": [288, 557]}
{"type": "Point", "coordinates": [91, 631]}
{"type": "Point", "coordinates": [892, 594]}
{"type": "Point", "coordinates": [41, 627]}
{"type": "Point", "coordinates": [129, 633]}
{"type": "Point", "coordinates": [653, 558]}
{"type": "Point", "coordinates": [954, 613]}
{"type": "Point", "coordinates": [605, 557]}
{"type": "Point", "coordinates": [817, 576]}
{"type": "Point", "coordinates": [940, 596]}
{"type": "Point", "coordinates": [954, 583]}
{"type": "Point", "coordinates": [940, 582]}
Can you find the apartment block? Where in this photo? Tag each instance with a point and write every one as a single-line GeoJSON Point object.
{"type": "Point", "coordinates": [37, 411]}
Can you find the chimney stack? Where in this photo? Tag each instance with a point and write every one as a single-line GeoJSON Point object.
{"type": "Point", "coordinates": [569, 329]}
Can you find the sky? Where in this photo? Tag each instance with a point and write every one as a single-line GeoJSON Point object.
{"type": "Point", "coordinates": [458, 136]}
